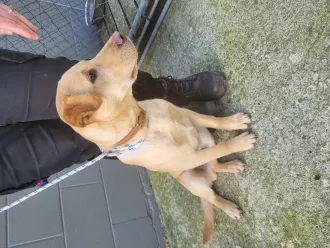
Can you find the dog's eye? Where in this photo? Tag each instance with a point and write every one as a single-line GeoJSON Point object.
{"type": "Point", "coordinates": [92, 73]}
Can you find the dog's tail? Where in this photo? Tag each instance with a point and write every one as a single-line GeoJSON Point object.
{"type": "Point", "coordinates": [208, 214]}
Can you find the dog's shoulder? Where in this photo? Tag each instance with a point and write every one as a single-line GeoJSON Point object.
{"type": "Point", "coordinates": [154, 105]}
{"type": "Point", "coordinates": [169, 122]}
{"type": "Point", "coordinates": [156, 109]}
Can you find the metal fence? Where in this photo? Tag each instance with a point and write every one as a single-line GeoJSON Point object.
{"type": "Point", "coordinates": [77, 29]}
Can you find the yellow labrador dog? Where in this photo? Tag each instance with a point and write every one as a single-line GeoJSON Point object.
{"type": "Point", "coordinates": [95, 98]}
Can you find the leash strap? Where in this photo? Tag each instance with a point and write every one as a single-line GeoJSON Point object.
{"type": "Point", "coordinates": [121, 150]}
{"type": "Point", "coordinates": [57, 180]}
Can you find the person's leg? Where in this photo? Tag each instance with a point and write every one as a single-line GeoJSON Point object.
{"type": "Point", "coordinates": [147, 87]}
{"type": "Point", "coordinates": [32, 151]}
{"type": "Point", "coordinates": [34, 143]}
{"type": "Point", "coordinates": [204, 86]}
{"type": "Point", "coordinates": [200, 91]}
{"type": "Point", "coordinates": [28, 86]}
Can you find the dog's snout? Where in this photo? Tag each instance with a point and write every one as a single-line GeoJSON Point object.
{"type": "Point", "coordinates": [118, 39]}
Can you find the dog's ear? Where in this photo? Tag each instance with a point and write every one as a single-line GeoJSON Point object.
{"type": "Point", "coordinates": [79, 110]}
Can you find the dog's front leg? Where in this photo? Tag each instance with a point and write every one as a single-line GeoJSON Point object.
{"type": "Point", "coordinates": [239, 121]}
{"type": "Point", "coordinates": [240, 143]}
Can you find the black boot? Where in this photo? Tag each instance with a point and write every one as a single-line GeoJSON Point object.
{"type": "Point", "coordinates": [204, 86]}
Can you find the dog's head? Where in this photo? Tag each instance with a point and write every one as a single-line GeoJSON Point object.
{"type": "Point", "coordinates": [93, 90]}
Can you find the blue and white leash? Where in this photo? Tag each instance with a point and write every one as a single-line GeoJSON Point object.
{"type": "Point", "coordinates": [130, 147]}
{"type": "Point", "coordinates": [116, 151]}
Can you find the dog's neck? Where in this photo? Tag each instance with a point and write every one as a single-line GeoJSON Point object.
{"type": "Point", "coordinates": [122, 123]}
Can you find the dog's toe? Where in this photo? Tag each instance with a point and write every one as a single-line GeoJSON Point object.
{"type": "Point", "coordinates": [236, 166]}
{"type": "Point", "coordinates": [233, 211]}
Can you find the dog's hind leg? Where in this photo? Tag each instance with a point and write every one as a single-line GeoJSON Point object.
{"type": "Point", "coordinates": [209, 169]}
{"type": "Point", "coordinates": [206, 140]}
{"type": "Point", "coordinates": [197, 184]}
{"type": "Point", "coordinates": [234, 166]}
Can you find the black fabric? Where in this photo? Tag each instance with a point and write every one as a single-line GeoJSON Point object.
{"type": "Point", "coordinates": [34, 142]}
{"type": "Point", "coordinates": [32, 151]}
{"type": "Point", "coordinates": [17, 57]}
{"type": "Point", "coordinates": [28, 90]}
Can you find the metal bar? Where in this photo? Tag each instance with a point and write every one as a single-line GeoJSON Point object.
{"type": "Point", "coordinates": [137, 18]}
{"type": "Point", "coordinates": [154, 32]}
{"type": "Point", "coordinates": [146, 25]}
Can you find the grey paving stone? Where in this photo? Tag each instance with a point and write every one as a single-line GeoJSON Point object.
{"type": "Point", "coordinates": [136, 233]}
{"type": "Point", "coordinates": [59, 2]}
{"type": "Point", "coordinates": [87, 38]}
{"type": "Point", "coordinates": [57, 34]}
{"type": "Point", "coordinates": [36, 218]}
{"type": "Point", "coordinates": [17, 43]}
{"type": "Point", "coordinates": [3, 42]}
{"type": "Point", "coordinates": [124, 191]}
{"type": "Point", "coordinates": [3, 232]}
{"type": "Point", "coordinates": [56, 242]}
{"type": "Point", "coordinates": [78, 4]}
{"type": "Point", "coordinates": [153, 209]}
{"type": "Point", "coordinates": [89, 175]}
{"type": "Point", "coordinates": [86, 217]}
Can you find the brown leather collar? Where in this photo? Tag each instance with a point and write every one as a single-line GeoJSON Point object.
{"type": "Point", "coordinates": [139, 124]}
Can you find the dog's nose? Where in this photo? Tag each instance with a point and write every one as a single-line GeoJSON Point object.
{"type": "Point", "coordinates": [117, 38]}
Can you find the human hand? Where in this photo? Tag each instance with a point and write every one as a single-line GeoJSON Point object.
{"type": "Point", "coordinates": [11, 22]}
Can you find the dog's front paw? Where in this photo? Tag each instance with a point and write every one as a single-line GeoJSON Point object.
{"type": "Point", "coordinates": [239, 121]}
{"type": "Point", "coordinates": [232, 210]}
{"type": "Point", "coordinates": [242, 142]}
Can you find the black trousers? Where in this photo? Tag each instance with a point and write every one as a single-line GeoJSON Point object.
{"type": "Point", "coordinates": [34, 142]}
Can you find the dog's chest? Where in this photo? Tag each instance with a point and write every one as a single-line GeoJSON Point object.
{"type": "Point", "coordinates": [183, 133]}
{"type": "Point", "coordinates": [174, 127]}
{"type": "Point", "coordinates": [166, 138]}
